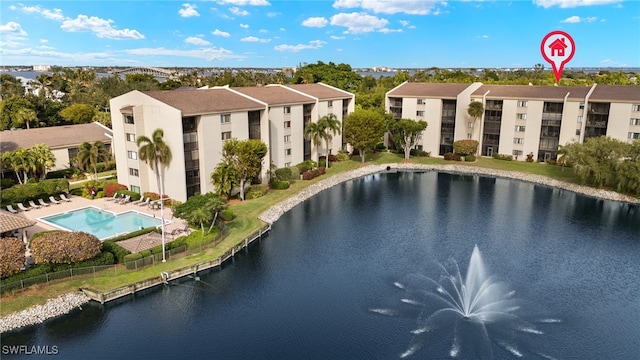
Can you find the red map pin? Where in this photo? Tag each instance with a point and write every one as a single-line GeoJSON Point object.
{"type": "Point", "coordinates": [557, 49]}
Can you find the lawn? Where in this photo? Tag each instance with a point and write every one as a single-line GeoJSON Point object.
{"type": "Point", "coordinates": [246, 222]}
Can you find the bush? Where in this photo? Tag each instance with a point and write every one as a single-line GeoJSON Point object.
{"type": "Point", "coordinates": [283, 174]}
{"type": "Point", "coordinates": [321, 170]}
{"type": "Point", "coordinates": [322, 162]}
{"type": "Point", "coordinates": [418, 152]}
{"type": "Point", "coordinates": [332, 158]}
{"type": "Point", "coordinates": [343, 156]}
{"type": "Point", "coordinates": [111, 188]}
{"type": "Point", "coordinates": [40, 190]}
{"type": "Point", "coordinates": [227, 214]}
{"type": "Point", "coordinates": [503, 157]}
{"type": "Point", "coordinates": [380, 147]}
{"type": "Point", "coordinates": [6, 183]}
{"type": "Point", "coordinates": [118, 251]}
{"type": "Point", "coordinates": [60, 174]}
{"type": "Point", "coordinates": [452, 156]}
{"type": "Point", "coordinates": [279, 185]}
{"type": "Point", "coordinates": [295, 173]}
{"type": "Point", "coordinates": [55, 247]}
{"type": "Point", "coordinates": [11, 256]}
{"type": "Point", "coordinates": [308, 175]}
{"type": "Point", "coordinates": [465, 147]}
{"type": "Point", "coordinates": [551, 162]}
{"type": "Point", "coordinates": [133, 195]}
{"type": "Point", "coordinates": [530, 157]}
{"type": "Point", "coordinates": [470, 158]}
{"type": "Point", "coordinates": [255, 191]}
{"type": "Point", "coordinates": [302, 167]}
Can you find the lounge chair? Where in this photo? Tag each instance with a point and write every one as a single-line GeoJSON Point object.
{"type": "Point", "coordinates": [53, 200]}
{"type": "Point", "coordinates": [145, 202]}
{"type": "Point", "coordinates": [11, 209]}
{"type": "Point", "coordinates": [33, 205]}
{"type": "Point", "coordinates": [62, 197]}
{"type": "Point", "coordinates": [125, 200]}
{"type": "Point", "coordinates": [41, 202]}
{"type": "Point", "coordinates": [113, 198]}
{"type": "Point", "coordinates": [138, 201]}
{"type": "Point", "coordinates": [22, 207]}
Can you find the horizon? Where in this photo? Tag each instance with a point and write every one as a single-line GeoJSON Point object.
{"type": "Point", "coordinates": [408, 34]}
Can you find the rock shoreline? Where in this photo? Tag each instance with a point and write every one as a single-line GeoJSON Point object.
{"type": "Point", "coordinates": [65, 303]}
{"type": "Point", "coordinates": [274, 213]}
{"type": "Point", "coordinates": [38, 314]}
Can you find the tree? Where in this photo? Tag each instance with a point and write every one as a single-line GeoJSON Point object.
{"type": "Point", "coordinates": [475, 110]}
{"type": "Point", "coordinates": [406, 133]}
{"type": "Point", "coordinates": [16, 112]}
{"type": "Point", "coordinates": [91, 154]}
{"type": "Point", "coordinates": [63, 247]}
{"type": "Point", "coordinates": [211, 205]}
{"type": "Point", "coordinates": [465, 147]}
{"type": "Point", "coordinates": [223, 178]}
{"type": "Point", "coordinates": [364, 129]}
{"type": "Point", "coordinates": [44, 159]}
{"type": "Point", "coordinates": [331, 126]}
{"type": "Point", "coordinates": [22, 161]}
{"type": "Point", "coordinates": [156, 153]}
{"type": "Point", "coordinates": [78, 113]}
{"type": "Point", "coordinates": [12, 256]}
{"type": "Point", "coordinates": [245, 158]}
{"type": "Point", "coordinates": [10, 86]}
{"type": "Point", "coordinates": [315, 131]}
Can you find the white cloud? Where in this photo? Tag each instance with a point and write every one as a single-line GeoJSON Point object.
{"type": "Point", "coordinates": [12, 28]}
{"type": "Point", "coordinates": [254, 39]}
{"type": "Point", "coordinates": [55, 56]}
{"type": "Point", "coordinates": [188, 10]}
{"type": "Point", "coordinates": [197, 41]}
{"type": "Point", "coordinates": [359, 22]}
{"type": "Point", "coordinates": [573, 3]}
{"type": "Point", "coordinates": [243, 2]}
{"type": "Point", "coordinates": [209, 54]}
{"type": "Point", "coordinates": [413, 7]}
{"type": "Point", "coordinates": [55, 14]}
{"type": "Point", "coordinates": [43, 41]}
{"type": "Point", "coordinates": [404, 22]}
{"type": "Point", "coordinates": [217, 32]}
{"type": "Point", "coordinates": [388, 31]}
{"type": "Point", "coordinates": [238, 12]}
{"type": "Point", "coordinates": [578, 19]}
{"type": "Point", "coordinates": [315, 22]}
{"type": "Point", "coordinates": [272, 14]}
{"type": "Point", "coordinates": [101, 27]}
{"type": "Point", "coordinates": [244, 26]}
{"type": "Point", "coordinates": [263, 31]}
{"type": "Point", "coordinates": [334, 37]}
{"type": "Point", "coordinates": [314, 44]}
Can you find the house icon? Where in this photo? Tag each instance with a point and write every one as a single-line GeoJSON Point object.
{"type": "Point", "coordinates": [557, 47]}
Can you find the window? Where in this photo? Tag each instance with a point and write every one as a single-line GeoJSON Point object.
{"type": "Point", "coordinates": [468, 136]}
{"type": "Point", "coordinates": [226, 135]}
{"type": "Point", "coordinates": [521, 116]}
{"type": "Point", "coordinates": [225, 118]}
{"type": "Point", "coordinates": [633, 135]}
{"type": "Point", "coordinates": [131, 137]}
{"type": "Point", "coordinates": [287, 124]}
{"type": "Point", "coordinates": [287, 138]}
{"type": "Point", "coordinates": [580, 118]}
{"type": "Point", "coordinates": [287, 164]}
{"type": "Point", "coordinates": [330, 103]}
{"type": "Point", "coordinates": [517, 153]}
{"type": "Point", "coordinates": [578, 132]}
{"type": "Point", "coordinates": [133, 172]}
{"type": "Point", "coordinates": [132, 155]}
{"type": "Point", "coordinates": [635, 107]}
{"type": "Point", "coordinates": [420, 113]}
{"type": "Point", "coordinates": [128, 119]}
{"type": "Point", "coordinates": [135, 189]}
{"type": "Point", "coordinates": [523, 103]}
{"type": "Point", "coordinates": [581, 106]}
{"type": "Point", "coordinates": [634, 122]}
{"type": "Point", "coordinates": [287, 109]}
{"type": "Point", "coordinates": [287, 152]}
{"type": "Point", "coordinates": [421, 102]}
{"type": "Point", "coordinates": [520, 128]}
{"type": "Point", "coordinates": [518, 140]}
{"type": "Point", "coordinates": [470, 125]}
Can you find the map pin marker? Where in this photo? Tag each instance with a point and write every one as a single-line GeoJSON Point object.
{"type": "Point", "coordinates": [557, 49]}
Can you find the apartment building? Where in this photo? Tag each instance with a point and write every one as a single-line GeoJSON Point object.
{"type": "Point", "coordinates": [197, 121]}
{"type": "Point", "coordinates": [518, 119]}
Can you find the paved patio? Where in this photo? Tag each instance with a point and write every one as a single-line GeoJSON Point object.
{"type": "Point", "coordinates": [80, 202]}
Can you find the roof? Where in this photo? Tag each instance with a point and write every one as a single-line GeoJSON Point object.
{"type": "Point", "coordinates": [10, 222]}
{"type": "Point", "coordinates": [525, 92]}
{"type": "Point", "coordinates": [616, 93]}
{"type": "Point", "coordinates": [321, 91]}
{"type": "Point", "coordinates": [56, 137]}
{"type": "Point", "coordinates": [205, 101]}
{"type": "Point", "coordinates": [275, 95]}
{"type": "Point", "coordinates": [436, 90]}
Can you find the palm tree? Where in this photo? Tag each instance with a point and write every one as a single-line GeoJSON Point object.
{"type": "Point", "coordinates": [24, 115]}
{"type": "Point", "coordinates": [44, 159]}
{"type": "Point", "coordinates": [91, 154]}
{"type": "Point", "coordinates": [331, 126]}
{"type": "Point", "coordinates": [316, 132]}
{"type": "Point", "coordinates": [475, 110]}
{"type": "Point", "coordinates": [22, 160]}
{"type": "Point", "coordinates": [156, 153]}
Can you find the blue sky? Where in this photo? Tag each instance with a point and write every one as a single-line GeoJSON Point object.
{"type": "Point", "coordinates": [284, 33]}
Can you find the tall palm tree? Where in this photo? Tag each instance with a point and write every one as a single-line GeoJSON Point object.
{"type": "Point", "coordinates": [156, 153]}
{"type": "Point", "coordinates": [22, 160]}
{"type": "Point", "coordinates": [91, 154]}
{"type": "Point", "coordinates": [332, 127]}
{"type": "Point", "coordinates": [316, 132]}
{"type": "Point", "coordinates": [475, 110]}
{"type": "Point", "coordinates": [44, 159]}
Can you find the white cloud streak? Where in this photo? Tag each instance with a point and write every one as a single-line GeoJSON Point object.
{"type": "Point", "coordinates": [221, 33]}
{"type": "Point", "coordinates": [413, 7]}
{"type": "Point", "coordinates": [244, 2]}
{"type": "Point", "coordinates": [357, 23]}
{"type": "Point", "coordinates": [197, 41]}
{"type": "Point", "coordinates": [314, 44]}
{"type": "Point", "coordinates": [573, 3]}
{"type": "Point", "coordinates": [100, 27]}
{"type": "Point", "coordinates": [315, 22]}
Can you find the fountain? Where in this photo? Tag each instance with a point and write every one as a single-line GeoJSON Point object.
{"type": "Point", "coordinates": [471, 317]}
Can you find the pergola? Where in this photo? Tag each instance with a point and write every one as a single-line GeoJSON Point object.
{"type": "Point", "coordinates": [10, 223]}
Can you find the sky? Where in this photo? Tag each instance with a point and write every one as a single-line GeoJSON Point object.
{"type": "Point", "coordinates": [289, 33]}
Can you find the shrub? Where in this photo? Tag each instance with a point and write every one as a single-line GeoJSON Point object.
{"type": "Point", "coordinates": [343, 156]}
{"type": "Point", "coordinates": [118, 251]}
{"type": "Point", "coordinates": [134, 195]}
{"type": "Point", "coordinates": [60, 174]}
{"type": "Point", "coordinates": [57, 247]}
{"type": "Point", "coordinates": [11, 256]}
{"type": "Point", "coordinates": [308, 175]}
{"type": "Point", "coordinates": [279, 185]}
{"type": "Point", "coordinates": [283, 174]}
{"type": "Point", "coordinates": [332, 158]}
{"type": "Point", "coordinates": [111, 188]}
{"type": "Point", "coordinates": [465, 147]}
{"type": "Point", "coordinates": [503, 157]}
{"type": "Point", "coordinates": [452, 156]}
{"type": "Point", "coordinates": [321, 170]}
{"type": "Point", "coordinates": [380, 147]}
{"type": "Point", "coordinates": [43, 189]}
{"type": "Point", "coordinates": [6, 183]}
{"type": "Point", "coordinates": [551, 162]}
{"type": "Point", "coordinates": [322, 162]}
{"type": "Point", "coordinates": [255, 191]}
{"type": "Point", "coordinates": [418, 152]}
{"type": "Point", "coordinates": [227, 214]}
{"type": "Point", "coordinates": [530, 157]}
{"type": "Point", "coordinates": [295, 173]}
{"type": "Point", "coordinates": [302, 167]}
{"type": "Point", "coordinates": [470, 158]}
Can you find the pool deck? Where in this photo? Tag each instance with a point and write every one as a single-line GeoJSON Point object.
{"type": "Point", "coordinates": [78, 202]}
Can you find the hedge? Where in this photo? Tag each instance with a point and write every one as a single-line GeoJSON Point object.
{"type": "Point", "coordinates": [279, 185]}
{"type": "Point", "coordinates": [22, 193]}
{"type": "Point", "coordinates": [503, 157]}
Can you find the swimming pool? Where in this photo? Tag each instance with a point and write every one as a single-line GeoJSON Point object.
{"type": "Point", "coordinates": [101, 223]}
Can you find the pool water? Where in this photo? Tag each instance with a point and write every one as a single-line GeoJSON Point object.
{"type": "Point", "coordinates": [101, 223]}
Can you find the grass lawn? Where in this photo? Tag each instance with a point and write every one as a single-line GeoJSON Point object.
{"type": "Point", "coordinates": [245, 223]}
